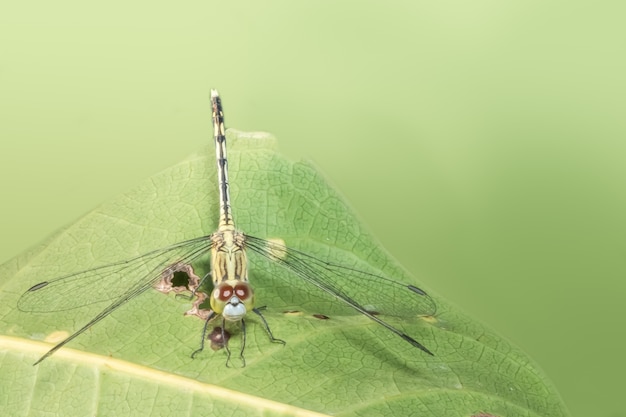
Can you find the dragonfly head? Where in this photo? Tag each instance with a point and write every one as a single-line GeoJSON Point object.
{"type": "Point", "coordinates": [232, 299]}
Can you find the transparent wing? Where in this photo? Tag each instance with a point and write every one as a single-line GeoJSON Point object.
{"type": "Point", "coordinates": [120, 281]}
{"type": "Point", "coordinates": [363, 291]}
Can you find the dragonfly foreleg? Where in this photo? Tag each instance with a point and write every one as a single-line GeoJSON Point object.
{"type": "Point", "coordinates": [210, 316]}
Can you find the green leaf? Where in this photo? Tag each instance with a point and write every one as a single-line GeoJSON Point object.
{"type": "Point", "coordinates": [137, 360]}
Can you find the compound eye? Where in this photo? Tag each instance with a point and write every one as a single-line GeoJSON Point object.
{"type": "Point", "coordinates": [220, 296]}
{"type": "Point", "coordinates": [242, 291]}
{"type": "Point", "coordinates": [223, 292]}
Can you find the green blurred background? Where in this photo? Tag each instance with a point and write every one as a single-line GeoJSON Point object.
{"type": "Point", "coordinates": [482, 142]}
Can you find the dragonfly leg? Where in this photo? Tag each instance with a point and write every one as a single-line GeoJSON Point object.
{"type": "Point", "coordinates": [204, 330]}
{"type": "Point", "coordinates": [225, 343]}
{"type": "Point", "coordinates": [202, 281]}
{"type": "Point", "coordinates": [243, 342]}
{"type": "Point", "coordinates": [267, 326]}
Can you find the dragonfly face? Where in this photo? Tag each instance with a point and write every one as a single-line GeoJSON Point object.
{"type": "Point", "coordinates": [232, 299]}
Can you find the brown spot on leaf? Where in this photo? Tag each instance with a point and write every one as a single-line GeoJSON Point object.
{"type": "Point", "coordinates": [218, 338]}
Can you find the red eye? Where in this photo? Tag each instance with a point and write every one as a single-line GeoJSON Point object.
{"type": "Point", "coordinates": [242, 291]}
{"type": "Point", "coordinates": [225, 292]}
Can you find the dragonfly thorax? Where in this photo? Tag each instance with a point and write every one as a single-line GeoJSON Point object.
{"type": "Point", "coordinates": [232, 299]}
{"type": "Point", "coordinates": [228, 256]}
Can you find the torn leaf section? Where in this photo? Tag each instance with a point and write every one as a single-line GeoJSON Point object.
{"type": "Point", "coordinates": [201, 307]}
{"type": "Point", "coordinates": [181, 278]}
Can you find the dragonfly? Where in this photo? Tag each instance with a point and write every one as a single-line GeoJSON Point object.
{"type": "Point", "coordinates": [232, 296]}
